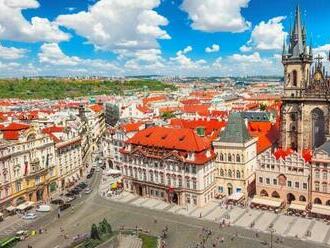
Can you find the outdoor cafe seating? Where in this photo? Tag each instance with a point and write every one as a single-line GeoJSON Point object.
{"type": "Point", "coordinates": [266, 203]}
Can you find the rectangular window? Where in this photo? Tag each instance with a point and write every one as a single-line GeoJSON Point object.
{"type": "Point", "coordinates": [275, 181]}
{"type": "Point", "coordinates": [296, 184]}
{"type": "Point", "coordinates": [289, 184]}
{"type": "Point", "coordinates": [260, 180]}
{"type": "Point", "coordinates": [304, 185]}
{"type": "Point", "coordinates": [267, 181]}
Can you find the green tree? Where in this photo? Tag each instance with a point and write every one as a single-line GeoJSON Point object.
{"type": "Point", "coordinates": [105, 227]}
{"type": "Point", "coordinates": [262, 107]}
{"type": "Point", "coordinates": [95, 232]}
{"type": "Point", "coordinates": [167, 115]}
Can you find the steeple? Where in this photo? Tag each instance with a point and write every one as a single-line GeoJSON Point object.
{"type": "Point", "coordinates": [298, 36]}
{"type": "Point", "coordinates": [284, 48]}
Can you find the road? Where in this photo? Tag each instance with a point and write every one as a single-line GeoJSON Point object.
{"type": "Point", "coordinates": [183, 231]}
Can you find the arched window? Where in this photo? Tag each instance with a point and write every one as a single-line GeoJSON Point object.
{"type": "Point", "coordinates": [327, 203]}
{"type": "Point", "coordinates": [229, 157]}
{"type": "Point", "coordinates": [221, 172]}
{"type": "Point", "coordinates": [275, 195]}
{"type": "Point", "coordinates": [302, 198]}
{"type": "Point", "coordinates": [294, 78]}
{"type": "Point", "coordinates": [238, 158]}
{"type": "Point", "coordinates": [317, 201]}
{"type": "Point", "coordinates": [318, 127]}
{"type": "Point", "coordinates": [238, 174]}
{"type": "Point", "coordinates": [229, 173]}
{"type": "Point", "coordinates": [263, 193]}
{"type": "Point", "coordinates": [221, 157]}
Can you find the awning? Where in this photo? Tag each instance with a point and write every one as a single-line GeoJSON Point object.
{"type": "Point", "coordinates": [298, 205]}
{"type": "Point", "coordinates": [235, 196]}
{"type": "Point", "coordinates": [268, 201]}
{"type": "Point", "coordinates": [320, 209]}
{"type": "Point", "coordinates": [10, 208]}
{"type": "Point", "coordinates": [25, 205]}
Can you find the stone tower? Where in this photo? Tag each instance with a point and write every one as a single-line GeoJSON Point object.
{"type": "Point", "coordinates": [305, 108]}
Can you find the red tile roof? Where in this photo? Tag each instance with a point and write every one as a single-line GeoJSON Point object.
{"type": "Point", "coordinates": [144, 109]}
{"type": "Point", "coordinates": [96, 108]}
{"type": "Point", "coordinates": [210, 126]}
{"type": "Point", "coordinates": [131, 127]}
{"type": "Point", "coordinates": [267, 133]}
{"type": "Point", "coordinates": [196, 108]}
{"type": "Point", "coordinates": [154, 99]}
{"type": "Point", "coordinates": [11, 135]}
{"type": "Point", "coordinates": [14, 126]}
{"type": "Point", "coordinates": [190, 101]}
{"type": "Point", "coordinates": [183, 139]}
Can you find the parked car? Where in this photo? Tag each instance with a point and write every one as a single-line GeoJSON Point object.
{"type": "Point", "coordinates": [69, 194]}
{"type": "Point", "coordinates": [88, 190]}
{"type": "Point", "coordinates": [43, 208]}
{"type": "Point", "coordinates": [64, 206]}
{"type": "Point", "coordinates": [69, 199]}
{"type": "Point", "coordinates": [83, 185]}
{"type": "Point", "coordinates": [57, 201]}
{"type": "Point", "coordinates": [29, 216]}
{"type": "Point", "coordinates": [103, 167]}
{"type": "Point", "coordinates": [89, 176]}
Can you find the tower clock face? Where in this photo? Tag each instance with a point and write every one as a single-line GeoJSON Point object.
{"type": "Point", "coordinates": [317, 76]}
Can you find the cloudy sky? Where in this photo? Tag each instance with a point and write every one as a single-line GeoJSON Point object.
{"type": "Point", "coordinates": [164, 37]}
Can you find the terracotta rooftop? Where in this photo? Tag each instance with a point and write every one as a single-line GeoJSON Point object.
{"type": "Point", "coordinates": [184, 139]}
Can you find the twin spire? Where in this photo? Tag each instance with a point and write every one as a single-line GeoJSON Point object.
{"type": "Point", "coordinates": [297, 45]}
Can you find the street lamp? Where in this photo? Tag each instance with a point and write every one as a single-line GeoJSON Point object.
{"type": "Point", "coordinates": [271, 237]}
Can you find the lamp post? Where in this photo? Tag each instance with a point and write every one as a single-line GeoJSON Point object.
{"type": "Point", "coordinates": [271, 237]}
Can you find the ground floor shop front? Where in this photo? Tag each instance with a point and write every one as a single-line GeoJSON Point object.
{"type": "Point", "coordinates": [170, 194]}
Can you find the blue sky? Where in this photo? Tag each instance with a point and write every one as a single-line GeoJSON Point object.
{"type": "Point", "coordinates": [168, 37]}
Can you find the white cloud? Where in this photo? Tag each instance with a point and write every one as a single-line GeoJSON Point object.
{"type": "Point", "coordinates": [322, 51]}
{"type": "Point", "coordinates": [119, 25]}
{"type": "Point", "coordinates": [213, 49]}
{"type": "Point", "coordinates": [52, 54]}
{"type": "Point", "coordinates": [245, 49]}
{"type": "Point", "coordinates": [13, 25]}
{"type": "Point", "coordinates": [217, 15]}
{"type": "Point", "coordinates": [268, 35]}
{"type": "Point", "coordinates": [242, 58]}
{"type": "Point", "coordinates": [11, 53]}
{"type": "Point", "coordinates": [186, 50]}
{"type": "Point", "coordinates": [53, 58]}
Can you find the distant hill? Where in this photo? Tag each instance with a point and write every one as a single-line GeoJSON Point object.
{"type": "Point", "coordinates": [61, 88]}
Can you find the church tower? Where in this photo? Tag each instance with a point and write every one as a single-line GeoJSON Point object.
{"type": "Point", "coordinates": [305, 104]}
{"type": "Point", "coordinates": [296, 60]}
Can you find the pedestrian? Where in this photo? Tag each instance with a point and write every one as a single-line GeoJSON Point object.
{"type": "Point", "coordinates": [200, 215]}
{"type": "Point", "coordinates": [58, 215]}
{"type": "Point", "coordinates": [222, 239]}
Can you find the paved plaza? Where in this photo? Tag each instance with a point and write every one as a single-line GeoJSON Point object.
{"type": "Point", "coordinates": [184, 223]}
{"type": "Point", "coordinates": [283, 225]}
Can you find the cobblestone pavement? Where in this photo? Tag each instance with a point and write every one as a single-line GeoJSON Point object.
{"type": "Point", "coordinates": [185, 229]}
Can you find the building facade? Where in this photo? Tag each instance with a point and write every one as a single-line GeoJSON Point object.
{"type": "Point", "coordinates": [172, 164]}
{"type": "Point", "coordinates": [320, 176]}
{"type": "Point", "coordinates": [305, 108]}
{"type": "Point", "coordinates": [282, 175]}
{"type": "Point", "coordinates": [236, 158]}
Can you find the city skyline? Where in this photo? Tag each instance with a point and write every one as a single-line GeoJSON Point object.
{"type": "Point", "coordinates": [185, 38]}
